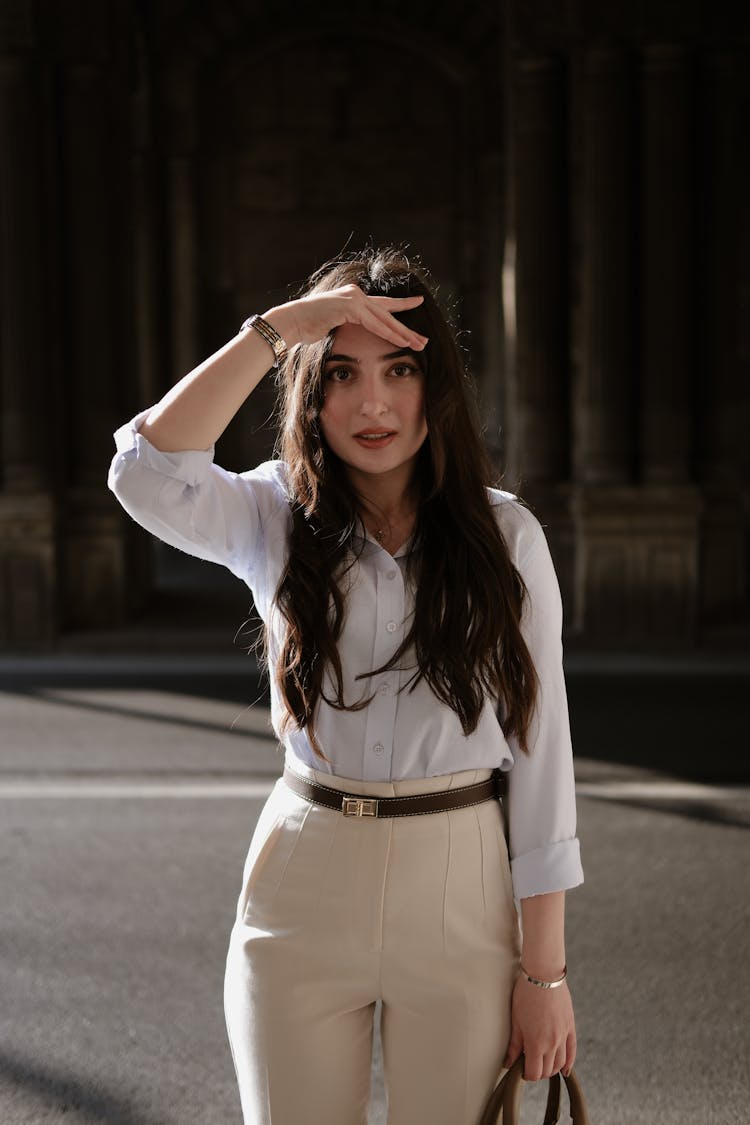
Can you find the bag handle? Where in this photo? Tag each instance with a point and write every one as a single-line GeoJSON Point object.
{"type": "Point", "coordinates": [505, 1100]}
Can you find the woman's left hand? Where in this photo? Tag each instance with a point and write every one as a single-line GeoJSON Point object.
{"type": "Point", "coordinates": [543, 1029]}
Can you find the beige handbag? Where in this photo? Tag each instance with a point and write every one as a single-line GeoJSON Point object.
{"type": "Point", "coordinates": [505, 1100]}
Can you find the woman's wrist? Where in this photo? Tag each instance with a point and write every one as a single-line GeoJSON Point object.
{"type": "Point", "coordinates": [543, 928]}
{"type": "Point", "coordinates": [542, 968]}
{"type": "Point", "coordinates": [283, 319]}
{"type": "Point", "coordinates": [545, 981]}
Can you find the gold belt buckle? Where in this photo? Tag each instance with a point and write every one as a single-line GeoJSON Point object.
{"type": "Point", "coordinates": [359, 806]}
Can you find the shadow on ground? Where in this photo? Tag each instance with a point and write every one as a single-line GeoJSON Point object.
{"type": "Point", "coordinates": [686, 722]}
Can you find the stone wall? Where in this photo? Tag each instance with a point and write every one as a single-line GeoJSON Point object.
{"type": "Point", "coordinates": [574, 175]}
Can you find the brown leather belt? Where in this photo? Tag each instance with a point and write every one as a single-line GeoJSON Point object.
{"type": "Point", "coordinates": [360, 804]}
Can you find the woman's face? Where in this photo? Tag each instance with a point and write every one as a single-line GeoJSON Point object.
{"type": "Point", "coordinates": [373, 414]}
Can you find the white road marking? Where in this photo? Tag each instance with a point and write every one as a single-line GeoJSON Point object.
{"type": "Point", "coordinates": [661, 791]}
{"type": "Point", "coordinates": [96, 788]}
{"type": "Point", "coordinates": [77, 788]}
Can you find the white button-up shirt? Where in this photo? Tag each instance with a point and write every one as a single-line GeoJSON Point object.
{"type": "Point", "coordinates": [243, 521]}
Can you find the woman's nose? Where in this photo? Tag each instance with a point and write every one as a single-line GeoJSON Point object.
{"type": "Point", "coordinates": [374, 398]}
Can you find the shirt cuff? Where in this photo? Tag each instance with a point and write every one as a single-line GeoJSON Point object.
{"type": "Point", "coordinates": [188, 465]}
{"type": "Point", "coordinates": [556, 867]}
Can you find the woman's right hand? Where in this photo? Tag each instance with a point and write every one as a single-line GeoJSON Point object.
{"type": "Point", "coordinates": [308, 319]}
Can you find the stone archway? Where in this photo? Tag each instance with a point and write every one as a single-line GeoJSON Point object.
{"type": "Point", "coordinates": [275, 190]}
{"type": "Point", "coordinates": [278, 153]}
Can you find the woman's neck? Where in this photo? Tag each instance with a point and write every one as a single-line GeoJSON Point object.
{"type": "Point", "coordinates": [387, 498]}
{"type": "Point", "coordinates": [389, 516]}
{"type": "Point", "coordinates": [387, 503]}
{"type": "Point", "coordinates": [382, 511]}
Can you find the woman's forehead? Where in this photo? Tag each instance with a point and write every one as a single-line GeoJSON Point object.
{"type": "Point", "coordinates": [358, 342]}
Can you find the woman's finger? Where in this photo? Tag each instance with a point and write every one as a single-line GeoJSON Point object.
{"type": "Point", "coordinates": [391, 329]}
{"type": "Point", "coordinates": [533, 1065]}
{"type": "Point", "coordinates": [515, 1047]}
{"type": "Point", "coordinates": [570, 1053]}
{"type": "Point", "coordinates": [387, 317]}
{"type": "Point", "coordinates": [548, 1064]}
{"type": "Point", "coordinates": [395, 303]}
{"type": "Point", "coordinates": [361, 304]}
{"type": "Point", "coordinates": [558, 1061]}
{"type": "Point", "coordinates": [383, 309]}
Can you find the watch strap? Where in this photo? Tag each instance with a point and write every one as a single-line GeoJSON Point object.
{"type": "Point", "coordinates": [269, 334]}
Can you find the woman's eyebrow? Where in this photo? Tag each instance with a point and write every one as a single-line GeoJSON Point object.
{"type": "Point", "coordinates": [340, 358]}
{"type": "Point", "coordinates": [399, 353]}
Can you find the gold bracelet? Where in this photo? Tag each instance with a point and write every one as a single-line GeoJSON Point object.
{"type": "Point", "coordinates": [545, 983]}
{"type": "Point", "coordinates": [269, 334]}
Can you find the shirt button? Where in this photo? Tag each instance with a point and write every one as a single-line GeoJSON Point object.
{"type": "Point", "coordinates": [391, 574]}
{"type": "Point", "coordinates": [378, 747]}
{"type": "Point", "coordinates": [391, 626]}
{"type": "Point", "coordinates": [384, 689]}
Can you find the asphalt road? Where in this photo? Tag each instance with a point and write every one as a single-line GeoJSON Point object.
{"type": "Point", "coordinates": [128, 796]}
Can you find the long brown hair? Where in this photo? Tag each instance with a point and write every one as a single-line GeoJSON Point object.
{"type": "Point", "coordinates": [465, 636]}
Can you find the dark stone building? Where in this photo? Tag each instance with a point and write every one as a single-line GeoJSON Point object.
{"type": "Point", "coordinates": [575, 175]}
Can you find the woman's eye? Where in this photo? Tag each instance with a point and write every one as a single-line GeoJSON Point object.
{"type": "Point", "coordinates": [402, 369]}
{"type": "Point", "coordinates": [338, 374]}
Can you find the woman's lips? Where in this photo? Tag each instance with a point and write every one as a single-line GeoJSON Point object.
{"type": "Point", "coordinates": [374, 442]}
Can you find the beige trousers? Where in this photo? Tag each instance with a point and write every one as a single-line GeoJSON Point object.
{"type": "Point", "coordinates": [337, 911]}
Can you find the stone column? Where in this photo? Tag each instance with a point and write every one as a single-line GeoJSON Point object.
{"type": "Point", "coordinates": [718, 386]}
{"type": "Point", "coordinates": [603, 414]}
{"type": "Point", "coordinates": [540, 388]}
{"type": "Point", "coordinates": [721, 382]}
{"type": "Point", "coordinates": [667, 257]}
{"type": "Point", "coordinates": [489, 302]}
{"type": "Point", "coordinates": [636, 558]}
{"type": "Point", "coordinates": [94, 115]}
{"type": "Point", "coordinates": [180, 216]}
{"type": "Point", "coordinates": [148, 269]}
{"type": "Point", "coordinates": [27, 341]}
{"type": "Point", "coordinates": [91, 217]}
{"type": "Point", "coordinates": [535, 300]}
{"type": "Point", "coordinates": [183, 263]}
{"type": "Point", "coordinates": [22, 344]}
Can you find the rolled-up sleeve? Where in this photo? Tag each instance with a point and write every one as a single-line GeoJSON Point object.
{"type": "Point", "coordinates": [189, 502]}
{"type": "Point", "coordinates": [544, 848]}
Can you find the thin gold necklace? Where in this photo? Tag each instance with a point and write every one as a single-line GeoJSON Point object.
{"type": "Point", "coordinates": [379, 533]}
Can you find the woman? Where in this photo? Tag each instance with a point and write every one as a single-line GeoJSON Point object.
{"type": "Point", "coordinates": [413, 633]}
